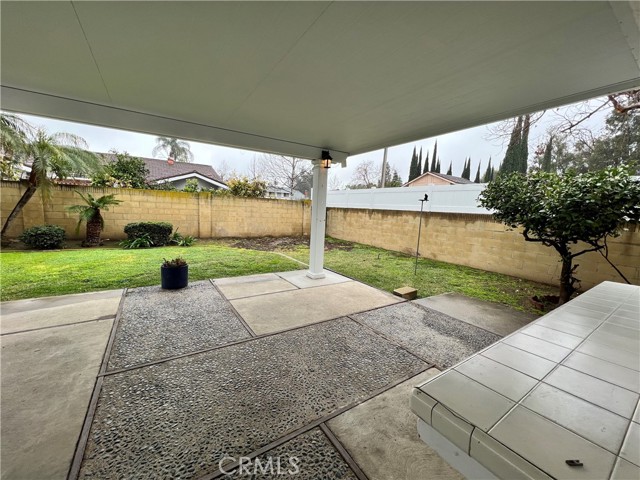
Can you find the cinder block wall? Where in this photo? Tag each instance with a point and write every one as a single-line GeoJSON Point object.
{"type": "Point", "coordinates": [202, 215]}
{"type": "Point", "coordinates": [478, 241]}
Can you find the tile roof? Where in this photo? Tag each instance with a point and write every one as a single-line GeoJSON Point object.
{"type": "Point", "coordinates": [160, 169]}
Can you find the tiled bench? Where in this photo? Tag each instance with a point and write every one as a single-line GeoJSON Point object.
{"type": "Point", "coordinates": [565, 387]}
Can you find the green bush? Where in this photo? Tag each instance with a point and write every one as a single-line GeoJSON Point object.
{"type": "Point", "coordinates": [159, 233]}
{"type": "Point", "coordinates": [44, 237]}
{"type": "Point", "coordinates": [143, 241]}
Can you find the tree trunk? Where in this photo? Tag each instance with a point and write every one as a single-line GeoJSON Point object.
{"type": "Point", "coordinates": [566, 284]}
{"type": "Point", "coordinates": [94, 229]}
{"type": "Point", "coordinates": [26, 196]}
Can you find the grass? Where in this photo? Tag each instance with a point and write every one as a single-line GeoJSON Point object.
{"type": "Point", "coordinates": [27, 274]}
{"type": "Point", "coordinates": [389, 270]}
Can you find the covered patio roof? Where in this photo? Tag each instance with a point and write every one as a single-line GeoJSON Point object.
{"type": "Point", "coordinates": [298, 77]}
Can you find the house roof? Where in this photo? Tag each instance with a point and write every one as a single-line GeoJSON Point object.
{"type": "Point", "coordinates": [316, 75]}
{"type": "Point", "coordinates": [162, 170]}
{"type": "Point", "coordinates": [450, 178]}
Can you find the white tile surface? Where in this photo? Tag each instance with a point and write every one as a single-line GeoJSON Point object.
{"type": "Point", "coordinates": [604, 394]}
{"type": "Point", "coordinates": [607, 371]}
{"type": "Point", "coordinates": [610, 354]}
{"type": "Point", "coordinates": [561, 325]}
{"type": "Point", "coordinates": [538, 347]}
{"type": "Point", "coordinates": [625, 471]}
{"type": "Point", "coordinates": [631, 447]}
{"type": "Point", "coordinates": [504, 380]}
{"type": "Point", "coordinates": [550, 335]}
{"type": "Point", "coordinates": [547, 445]}
{"type": "Point", "coordinates": [525, 362]}
{"type": "Point", "coordinates": [600, 426]}
{"type": "Point", "coordinates": [470, 400]}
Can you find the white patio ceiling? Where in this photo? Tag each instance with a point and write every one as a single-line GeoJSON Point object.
{"type": "Point", "coordinates": [298, 77]}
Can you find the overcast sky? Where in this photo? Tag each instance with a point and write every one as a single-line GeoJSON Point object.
{"type": "Point", "coordinates": [453, 147]}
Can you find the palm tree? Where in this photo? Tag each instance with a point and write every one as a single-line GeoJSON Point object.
{"type": "Point", "coordinates": [13, 140]}
{"type": "Point", "coordinates": [90, 213]}
{"type": "Point", "coordinates": [179, 150]}
{"type": "Point", "coordinates": [57, 155]}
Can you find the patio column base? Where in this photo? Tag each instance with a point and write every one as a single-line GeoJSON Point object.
{"type": "Point", "coordinates": [316, 276]}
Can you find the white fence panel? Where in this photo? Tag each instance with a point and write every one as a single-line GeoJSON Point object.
{"type": "Point", "coordinates": [442, 198]}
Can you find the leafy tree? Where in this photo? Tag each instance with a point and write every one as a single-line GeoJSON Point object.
{"type": "Point", "coordinates": [13, 142]}
{"type": "Point", "coordinates": [90, 212]}
{"type": "Point", "coordinates": [52, 155]}
{"type": "Point", "coordinates": [243, 187]}
{"type": "Point", "coordinates": [450, 171]}
{"type": "Point", "coordinates": [396, 180]}
{"type": "Point", "coordinates": [191, 186]}
{"type": "Point", "coordinates": [284, 171]}
{"type": "Point", "coordinates": [126, 172]}
{"type": "Point", "coordinates": [561, 210]}
{"type": "Point", "coordinates": [392, 179]}
{"type": "Point", "coordinates": [477, 179]}
{"type": "Point", "coordinates": [179, 150]}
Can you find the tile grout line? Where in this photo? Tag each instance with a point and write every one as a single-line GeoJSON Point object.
{"type": "Point", "coordinates": [353, 465]}
{"type": "Point", "coordinates": [80, 322]}
{"type": "Point", "coordinates": [315, 423]}
{"type": "Point", "coordinates": [76, 463]}
{"type": "Point", "coordinates": [233, 309]}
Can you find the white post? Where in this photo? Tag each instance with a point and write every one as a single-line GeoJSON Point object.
{"type": "Point", "coordinates": [318, 220]}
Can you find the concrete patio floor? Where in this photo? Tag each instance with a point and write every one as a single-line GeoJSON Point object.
{"type": "Point", "coordinates": [273, 365]}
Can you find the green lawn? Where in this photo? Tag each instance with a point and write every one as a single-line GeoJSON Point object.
{"type": "Point", "coordinates": [26, 274]}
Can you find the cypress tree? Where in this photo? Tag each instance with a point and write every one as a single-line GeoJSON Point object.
{"type": "Point", "coordinates": [413, 166]}
{"type": "Point", "coordinates": [426, 163]}
{"type": "Point", "coordinates": [487, 177]}
{"type": "Point", "coordinates": [477, 179]}
{"type": "Point", "coordinates": [523, 160]}
{"type": "Point", "coordinates": [464, 169]}
{"type": "Point", "coordinates": [546, 158]}
{"type": "Point", "coordinates": [450, 171]}
{"type": "Point", "coordinates": [435, 156]}
{"type": "Point", "coordinates": [512, 155]}
{"type": "Point", "coordinates": [438, 166]}
{"type": "Point", "coordinates": [420, 163]}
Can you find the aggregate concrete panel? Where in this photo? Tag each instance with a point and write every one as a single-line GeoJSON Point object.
{"type": "Point", "coordinates": [499, 319]}
{"type": "Point", "coordinates": [432, 335]}
{"type": "Point", "coordinates": [280, 311]}
{"type": "Point", "coordinates": [47, 379]}
{"type": "Point", "coordinates": [180, 418]}
{"type": "Point", "coordinates": [381, 436]}
{"type": "Point", "coordinates": [252, 285]}
{"type": "Point", "coordinates": [309, 456]}
{"type": "Point", "coordinates": [157, 324]}
{"type": "Point", "coordinates": [22, 315]}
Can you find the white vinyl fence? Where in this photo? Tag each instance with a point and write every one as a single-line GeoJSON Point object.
{"type": "Point", "coordinates": [442, 198]}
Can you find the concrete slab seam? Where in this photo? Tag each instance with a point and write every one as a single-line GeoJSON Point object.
{"type": "Point", "coordinates": [427, 309]}
{"type": "Point", "coordinates": [316, 423]}
{"type": "Point", "coordinates": [353, 465]}
{"type": "Point", "coordinates": [99, 319]}
{"type": "Point", "coordinates": [233, 309]}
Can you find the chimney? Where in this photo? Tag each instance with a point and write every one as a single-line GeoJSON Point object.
{"type": "Point", "coordinates": [170, 161]}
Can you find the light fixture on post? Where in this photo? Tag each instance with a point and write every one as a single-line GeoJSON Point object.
{"type": "Point", "coordinates": [326, 159]}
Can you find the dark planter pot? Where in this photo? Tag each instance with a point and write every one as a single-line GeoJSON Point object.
{"type": "Point", "coordinates": [173, 278]}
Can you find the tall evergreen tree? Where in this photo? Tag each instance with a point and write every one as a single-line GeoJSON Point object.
{"type": "Point", "coordinates": [466, 168]}
{"type": "Point", "coordinates": [426, 163]}
{"type": "Point", "coordinates": [511, 157]}
{"type": "Point", "coordinates": [419, 168]}
{"type": "Point", "coordinates": [488, 173]}
{"type": "Point", "coordinates": [523, 160]}
{"type": "Point", "coordinates": [450, 171]}
{"type": "Point", "coordinates": [477, 179]}
{"type": "Point", "coordinates": [413, 166]}
{"type": "Point", "coordinates": [438, 167]}
{"type": "Point", "coordinates": [435, 156]}
{"type": "Point", "coordinates": [546, 158]}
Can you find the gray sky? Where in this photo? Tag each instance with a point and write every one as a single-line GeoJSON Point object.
{"type": "Point", "coordinates": [453, 147]}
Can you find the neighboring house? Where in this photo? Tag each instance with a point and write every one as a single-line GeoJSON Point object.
{"type": "Point", "coordinates": [177, 173]}
{"type": "Point", "coordinates": [283, 193]}
{"type": "Point", "coordinates": [431, 178]}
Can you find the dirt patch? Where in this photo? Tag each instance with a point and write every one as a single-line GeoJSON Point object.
{"type": "Point", "coordinates": [269, 244]}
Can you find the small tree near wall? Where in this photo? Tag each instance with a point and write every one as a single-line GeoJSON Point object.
{"type": "Point", "coordinates": [560, 211]}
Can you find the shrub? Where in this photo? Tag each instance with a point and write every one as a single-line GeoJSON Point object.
{"type": "Point", "coordinates": [181, 240]}
{"type": "Point", "coordinates": [44, 237]}
{"type": "Point", "coordinates": [159, 233]}
{"type": "Point", "coordinates": [143, 241]}
{"type": "Point", "coordinates": [174, 263]}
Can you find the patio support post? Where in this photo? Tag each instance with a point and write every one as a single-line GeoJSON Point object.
{"type": "Point", "coordinates": [318, 220]}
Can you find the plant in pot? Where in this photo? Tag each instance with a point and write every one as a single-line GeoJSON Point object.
{"type": "Point", "coordinates": [174, 274]}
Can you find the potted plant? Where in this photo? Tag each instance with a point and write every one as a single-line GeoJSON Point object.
{"type": "Point", "coordinates": [174, 273]}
